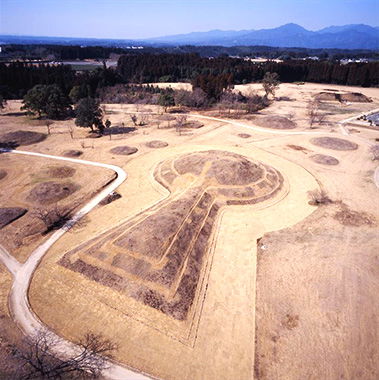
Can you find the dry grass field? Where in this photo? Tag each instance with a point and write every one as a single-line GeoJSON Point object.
{"type": "Point", "coordinates": [212, 264]}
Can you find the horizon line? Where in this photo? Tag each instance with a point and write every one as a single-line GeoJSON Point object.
{"type": "Point", "coordinates": [169, 35]}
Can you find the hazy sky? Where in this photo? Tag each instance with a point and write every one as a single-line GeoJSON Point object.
{"type": "Point", "coordinates": [150, 18]}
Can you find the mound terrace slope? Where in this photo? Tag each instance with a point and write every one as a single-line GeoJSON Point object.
{"type": "Point", "coordinates": [160, 257]}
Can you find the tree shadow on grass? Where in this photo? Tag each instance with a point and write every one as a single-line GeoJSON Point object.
{"type": "Point", "coordinates": [118, 130]}
{"type": "Point", "coordinates": [8, 146]}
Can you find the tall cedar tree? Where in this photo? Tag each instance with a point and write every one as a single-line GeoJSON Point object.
{"type": "Point", "coordinates": [88, 113]}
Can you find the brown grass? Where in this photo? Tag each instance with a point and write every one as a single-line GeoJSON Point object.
{"type": "Point", "coordinates": [156, 144]}
{"type": "Point", "coordinates": [353, 97]}
{"type": "Point", "coordinates": [10, 214]}
{"type": "Point", "coordinates": [60, 172]}
{"type": "Point", "coordinates": [297, 147]}
{"type": "Point", "coordinates": [275, 122]}
{"type": "Point", "coordinates": [72, 153]}
{"type": "Point", "coordinates": [352, 218]}
{"type": "Point", "coordinates": [334, 143]}
{"type": "Point", "coordinates": [324, 159]}
{"type": "Point", "coordinates": [124, 150]}
{"type": "Point", "coordinates": [50, 192]}
{"type": "Point", "coordinates": [244, 135]}
{"type": "Point", "coordinates": [22, 138]}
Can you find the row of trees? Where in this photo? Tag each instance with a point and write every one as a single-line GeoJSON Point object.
{"type": "Point", "coordinates": [71, 52]}
{"type": "Point", "coordinates": [17, 78]}
{"type": "Point", "coordinates": [147, 68]}
{"type": "Point", "coordinates": [211, 75]}
{"type": "Point", "coordinates": [50, 101]}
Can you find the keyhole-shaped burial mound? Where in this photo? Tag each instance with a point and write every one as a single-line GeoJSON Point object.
{"type": "Point", "coordinates": [160, 256]}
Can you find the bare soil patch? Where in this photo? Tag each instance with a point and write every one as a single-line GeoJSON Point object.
{"type": "Point", "coordinates": [72, 153]}
{"type": "Point", "coordinates": [22, 138]}
{"type": "Point", "coordinates": [298, 147]}
{"type": "Point", "coordinates": [334, 143]}
{"type": "Point", "coordinates": [324, 159]}
{"type": "Point", "coordinates": [244, 135]}
{"type": "Point", "coordinates": [110, 198]}
{"type": "Point", "coordinates": [124, 150]}
{"type": "Point", "coordinates": [49, 192]}
{"type": "Point", "coordinates": [156, 144]}
{"type": "Point", "coordinates": [352, 218]}
{"type": "Point", "coordinates": [275, 122]}
{"type": "Point", "coordinates": [10, 214]}
{"type": "Point", "coordinates": [3, 173]}
{"type": "Point", "coordinates": [193, 124]}
{"type": "Point", "coordinates": [353, 97]}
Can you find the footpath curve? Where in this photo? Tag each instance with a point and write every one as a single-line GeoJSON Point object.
{"type": "Point", "coordinates": [19, 304]}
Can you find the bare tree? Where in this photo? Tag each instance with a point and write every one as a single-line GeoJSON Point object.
{"type": "Point", "coordinates": [108, 125]}
{"type": "Point", "coordinates": [144, 118]}
{"type": "Point", "coordinates": [134, 119]}
{"type": "Point", "coordinates": [181, 120]}
{"type": "Point", "coordinates": [255, 102]}
{"type": "Point", "coordinates": [71, 131]}
{"type": "Point", "coordinates": [318, 197]}
{"type": "Point", "coordinates": [270, 83]}
{"type": "Point", "coordinates": [375, 152]}
{"type": "Point", "coordinates": [48, 123]}
{"type": "Point", "coordinates": [54, 218]}
{"type": "Point", "coordinates": [315, 115]}
{"type": "Point", "coordinates": [38, 360]}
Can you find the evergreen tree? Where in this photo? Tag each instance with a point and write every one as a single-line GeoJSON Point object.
{"type": "Point", "coordinates": [88, 114]}
{"type": "Point", "coordinates": [46, 99]}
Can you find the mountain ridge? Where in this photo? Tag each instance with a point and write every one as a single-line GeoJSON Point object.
{"type": "Point", "coordinates": [352, 36]}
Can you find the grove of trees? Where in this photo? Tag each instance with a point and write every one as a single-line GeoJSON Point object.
{"type": "Point", "coordinates": [46, 100]}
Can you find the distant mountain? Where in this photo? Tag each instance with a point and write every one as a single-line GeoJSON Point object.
{"type": "Point", "coordinates": [357, 36]}
{"type": "Point", "coordinates": [45, 40]}
{"type": "Point", "coordinates": [290, 35]}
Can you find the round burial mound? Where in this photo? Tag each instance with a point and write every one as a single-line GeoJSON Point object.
{"type": "Point", "coordinates": [156, 144]}
{"type": "Point", "coordinates": [275, 122]}
{"type": "Point", "coordinates": [60, 171]}
{"type": "Point", "coordinates": [334, 143]}
{"type": "Point", "coordinates": [72, 153]}
{"type": "Point", "coordinates": [324, 159]}
{"type": "Point", "coordinates": [124, 150]}
{"type": "Point", "coordinates": [244, 135]}
{"type": "Point", "coordinates": [3, 174]}
{"type": "Point", "coordinates": [49, 192]}
{"type": "Point", "coordinates": [10, 214]}
{"type": "Point", "coordinates": [22, 138]}
{"type": "Point", "coordinates": [353, 97]}
{"type": "Point", "coordinates": [234, 178]}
